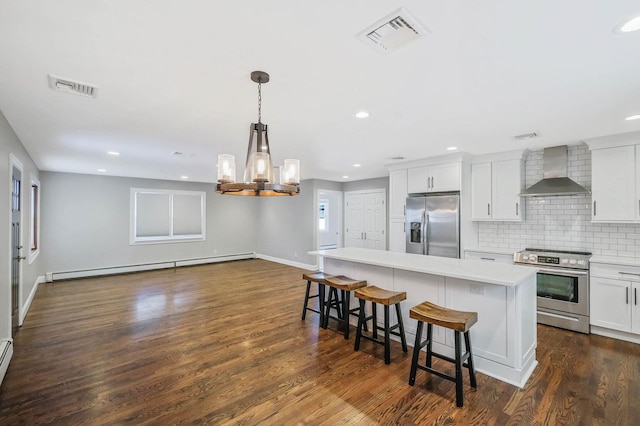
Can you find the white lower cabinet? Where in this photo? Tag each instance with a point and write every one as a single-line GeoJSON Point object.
{"type": "Point", "coordinates": [614, 297]}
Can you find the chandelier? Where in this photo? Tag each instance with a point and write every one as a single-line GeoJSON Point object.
{"type": "Point", "coordinates": [259, 177]}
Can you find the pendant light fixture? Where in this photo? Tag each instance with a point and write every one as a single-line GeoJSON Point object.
{"type": "Point", "coordinates": [259, 178]}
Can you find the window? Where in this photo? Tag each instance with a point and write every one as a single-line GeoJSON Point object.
{"type": "Point", "coordinates": [159, 216]}
{"type": "Point", "coordinates": [34, 215]}
{"type": "Point", "coordinates": [323, 216]}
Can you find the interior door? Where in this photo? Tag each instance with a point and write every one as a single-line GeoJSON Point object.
{"type": "Point", "coordinates": [354, 219]}
{"type": "Point", "coordinates": [16, 207]}
{"type": "Point", "coordinates": [375, 221]}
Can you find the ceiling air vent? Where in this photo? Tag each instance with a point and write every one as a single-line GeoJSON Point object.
{"type": "Point", "coordinates": [525, 136]}
{"type": "Point", "coordinates": [393, 31]}
{"type": "Point", "coordinates": [70, 86]}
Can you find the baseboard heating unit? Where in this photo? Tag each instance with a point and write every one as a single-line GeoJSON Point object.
{"type": "Point", "coordinates": [6, 352]}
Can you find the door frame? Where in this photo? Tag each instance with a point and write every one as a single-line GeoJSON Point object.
{"type": "Point", "coordinates": [340, 216]}
{"type": "Point", "coordinates": [15, 162]}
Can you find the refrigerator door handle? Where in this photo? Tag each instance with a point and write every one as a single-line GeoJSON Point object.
{"type": "Point", "coordinates": [423, 233]}
{"type": "Point", "coordinates": [426, 234]}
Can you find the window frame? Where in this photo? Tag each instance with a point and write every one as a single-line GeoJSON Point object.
{"type": "Point", "coordinates": [170, 237]}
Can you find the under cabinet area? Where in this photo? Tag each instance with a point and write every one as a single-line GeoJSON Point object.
{"type": "Point", "coordinates": [434, 178]}
{"type": "Point", "coordinates": [496, 188]}
{"type": "Point", "coordinates": [614, 297]}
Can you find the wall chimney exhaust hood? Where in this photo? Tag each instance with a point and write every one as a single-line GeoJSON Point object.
{"type": "Point", "coordinates": [555, 181]}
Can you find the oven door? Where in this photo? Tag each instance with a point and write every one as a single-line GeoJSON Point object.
{"type": "Point", "coordinates": [563, 290]}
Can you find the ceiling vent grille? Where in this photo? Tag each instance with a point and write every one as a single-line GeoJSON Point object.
{"type": "Point", "coordinates": [393, 31]}
{"type": "Point", "coordinates": [69, 86]}
{"type": "Point", "coordinates": [526, 136]}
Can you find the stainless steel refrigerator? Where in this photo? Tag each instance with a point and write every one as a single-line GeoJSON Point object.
{"type": "Point", "coordinates": [433, 225]}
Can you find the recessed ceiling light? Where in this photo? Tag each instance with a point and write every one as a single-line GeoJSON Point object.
{"type": "Point", "coordinates": [345, 177]}
{"type": "Point", "coordinates": [102, 170]}
{"type": "Point", "coordinates": [114, 153]}
{"type": "Point", "coordinates": [184, 177]}
{"type": "Point", "coordinates": [633, 117]}
{"type": "Point", "coordinates": [362, 114]}
{"type": "Point", "coordinates": [452, 148]}
{"type": "Point", "coordinates": [628, 26]}
{"type": "Point", "coordinates": [356, 165]}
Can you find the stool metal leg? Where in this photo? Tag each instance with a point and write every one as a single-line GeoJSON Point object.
{"type": "Point", "coordinates": [472, 371]}
{"type": "Point", "coordinates": [459, 395]}
{"type": "Point", "coordinates": [416, 353]}
{"type": "Point", "coordinates": [306, 300]}
{"type": "Point", "coordinates": [321, 303]}
{"type": "Point", "coordinates": [345, 314]}
{"type": "Point", "coordinates": [374, 313]}
{"type": "Point", "coordinates": [361, 320]}
{"type": "Point", "coordinates": [403, 338]}
{"type": "Point", "coordinates": [387, 338]}
{"type": "Point", "coordinates": [429, 346]}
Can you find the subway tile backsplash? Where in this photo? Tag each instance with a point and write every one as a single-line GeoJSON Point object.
{"type": "Point", "coordinates": [562, 222]}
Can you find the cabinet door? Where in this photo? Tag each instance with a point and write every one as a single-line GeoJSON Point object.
{"type": "Point", "coordinates": [610, 303]}
{"type": "Point", "coordinates": [634, 299]}
{"type": "Point", "coordinates": [637, 199]}
{"type": "Point", "coordinates": [397, 193]}
{"type": "Point", "coordinates": [506, 184]}
{"type": "Point", "coordinates": [481, 191]}
{"type": "Point", "coordinates": [397, 236]}
{"type": "Point", "coordinates": [613, 184]}
{"type": "Point", "coordinates": [445, 177]}
{"type": "Point", "coordinates": [418, 180]}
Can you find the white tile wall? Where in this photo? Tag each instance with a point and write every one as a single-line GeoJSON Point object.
{"type": "Point", "coordinates": [562, 222]}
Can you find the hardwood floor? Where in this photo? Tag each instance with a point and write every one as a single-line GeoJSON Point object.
{"type": "Point", "coordinates": [224, 344]}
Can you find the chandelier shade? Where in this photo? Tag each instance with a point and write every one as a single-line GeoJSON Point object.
{"type": "Point", "coordinates": [259, 178]}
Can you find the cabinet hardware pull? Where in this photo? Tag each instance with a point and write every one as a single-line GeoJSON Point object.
{"type": "Point", "coordinates": [432, 182]}
{"type": "Point", "coordinates": [517, 209]}
{"type": "Point", "coordinates": [488, 209]}
{"type": "Point", "coordinates": [635, 296]}
{"type": "Point", "coordinates": [629, 273]}
{"type": "Point", "coordinates": [486, 258]}
{"type": "Point", "coordinates": [627, 295]}
{"type": "Point", "coordinates": [594, 208]}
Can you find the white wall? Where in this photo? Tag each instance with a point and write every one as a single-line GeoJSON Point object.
{"type": "Point", "coordinates": [85, 223]}
{"type": "Point", "coordinates": [10, 144]}
{"type": "Point", "coordinates": [562, 222]}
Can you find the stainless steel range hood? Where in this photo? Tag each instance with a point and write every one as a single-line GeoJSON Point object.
{"type": "Point", "coordinates": [555, 181]}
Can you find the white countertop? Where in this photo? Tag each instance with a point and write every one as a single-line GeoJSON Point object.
{"type": "Point", "coordinates": [492, 250]}
{"type": "Point", "coordinates": [473, 270]}
{"type": "Point", "coordinates": [615, 260]}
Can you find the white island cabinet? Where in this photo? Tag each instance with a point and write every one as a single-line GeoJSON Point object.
{"type": "Point", "coordinates": [504, 296]}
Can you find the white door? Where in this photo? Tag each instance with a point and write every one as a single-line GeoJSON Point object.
{"type": "Point", "coordinates": [16, 247]}
{"type": "Point", "coordinates": [366, 219]}
{"type": "Point", "coordinates": [354, 220]}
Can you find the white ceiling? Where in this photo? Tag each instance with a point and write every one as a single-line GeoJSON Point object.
{"type": "Point", "coordinates": [174, 76]}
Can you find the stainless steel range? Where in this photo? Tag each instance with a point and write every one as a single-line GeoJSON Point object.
{"type": "Point", "coordinates": [562, 285]}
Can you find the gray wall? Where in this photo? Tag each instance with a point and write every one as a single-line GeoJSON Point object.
{"type": "Point", "coordinates": [87, 223]}
{"type": "Point", "coordinates": [361, 185]}
{"type": "Point", "coordinates": [10, 144]}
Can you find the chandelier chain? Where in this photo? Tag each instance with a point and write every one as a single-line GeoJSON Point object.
{"type": "Point", "coordinates": [259, 102]}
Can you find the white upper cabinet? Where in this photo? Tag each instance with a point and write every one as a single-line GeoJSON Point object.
{"type": "Point", "coordinates": [613, 184]}
{"type": "Point", "coordinates": [397, 193]}
{"type": "Point", "coordinates": [495, 189]}
{"type": "Point", "coordinates": [434, 178]}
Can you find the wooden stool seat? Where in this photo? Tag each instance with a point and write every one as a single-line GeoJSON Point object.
{"type": "Point", "coordinates": [377, 295]}
{"type": "Point", "coordinates": [444, 317]}
{"type": "Point", "coordinates": [341, 304]}
{"type": "Point", "coordinates": [319, 278]}
{"type": "Point", "coordinates": [458, 321]}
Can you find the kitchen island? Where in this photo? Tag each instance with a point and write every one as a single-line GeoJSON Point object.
{"type": "Point", "coordinates": [504, 296]}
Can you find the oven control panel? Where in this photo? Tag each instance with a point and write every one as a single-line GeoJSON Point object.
{"type": "Point", "coordinates": [562, 259]}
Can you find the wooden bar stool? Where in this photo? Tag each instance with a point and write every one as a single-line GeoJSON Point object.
{"type": "Point", "coordinates": [459, 322]}
{"type": "Point", "coordinates": [341, 304]}
{"type": "Point", "coordinates": [387, 298]}
{"type": "Point", "coordinates": [319, 278]}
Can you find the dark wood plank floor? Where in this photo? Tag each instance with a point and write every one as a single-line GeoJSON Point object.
{"type": "Point", "coordinates": [224, 344]}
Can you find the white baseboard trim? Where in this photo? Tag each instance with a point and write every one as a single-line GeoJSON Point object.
{"type": "Point", "coordinates": [113, 270]}
{"type": "Point", "coordinates": [287, 262]}
{"type": "Point", "coordinates": [32, 294]}
{"type": "Point", "coordinates": [6, 352]}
